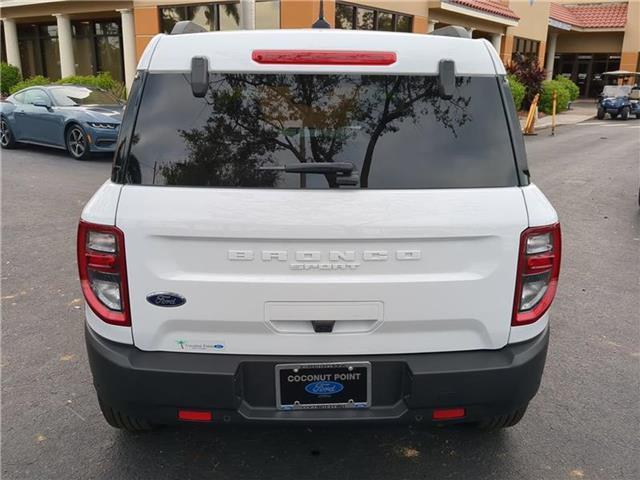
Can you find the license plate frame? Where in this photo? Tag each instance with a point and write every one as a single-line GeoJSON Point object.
{"type": "Point", "coordinates": [323, 401]}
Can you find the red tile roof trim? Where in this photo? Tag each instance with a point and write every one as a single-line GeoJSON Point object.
{"type": "Point", "coordinates": [492, 7]}
{"type": "Point", "coordinates": [595, 15]}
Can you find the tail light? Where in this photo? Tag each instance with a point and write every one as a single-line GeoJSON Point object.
{"type": "Point", "coordinates": [103, 272]}
{"type": "Point", "coordinates": [538, 271]}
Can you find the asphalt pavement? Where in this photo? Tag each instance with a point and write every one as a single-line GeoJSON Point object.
{"type": "Point", "coordinates": [584, 423]}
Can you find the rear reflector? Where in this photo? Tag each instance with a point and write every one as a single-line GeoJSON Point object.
{"type": "Point", "coordinates": [323, 57]}
{"type": "Point", "coordinates": [448, 413]}
{"type": "Point", "coordinates": [194, 415]}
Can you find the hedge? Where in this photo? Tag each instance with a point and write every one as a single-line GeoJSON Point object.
{"type": "Point", "coordinates": [9, 76]}
{"type": "Point", "coordinates": [103, 80]}
{"type": "Point", "coordinates": [518, 91]}
{"type": "Point", "coordinates": [572, 88]}
{"type": "Point", "coordinates": [30, 82]}
{"type": "Point", "coordinates": [546, 98]}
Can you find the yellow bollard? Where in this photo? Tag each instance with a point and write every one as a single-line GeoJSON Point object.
{"type": "Point", "coordinates": [529, 126]}
{"type": "Point", "coordinates": [553, 112]}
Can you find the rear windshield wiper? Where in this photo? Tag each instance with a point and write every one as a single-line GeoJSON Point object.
{"type": "Point", "coordinates": [344, 168]}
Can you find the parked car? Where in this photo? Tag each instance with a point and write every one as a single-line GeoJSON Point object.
{"type": "Point", "coordinates": [622, 100]}
{"type": "Point", "coordinates": [310, 226]}
{"type": "Point", "coordinates": [82, 120]}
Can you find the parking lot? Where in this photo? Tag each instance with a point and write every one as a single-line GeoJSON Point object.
{"type": "Point", "coordinates": [584, 422]}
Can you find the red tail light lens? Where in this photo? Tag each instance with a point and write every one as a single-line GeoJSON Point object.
{"type": "Point", "coordinates": [448, 413]}
{"type": "Point", "coordinates": [323, 57]}
{"type": "Point", "coordinates": [103, 272]}
{"type": "Point", "coordinates": [538, 272]}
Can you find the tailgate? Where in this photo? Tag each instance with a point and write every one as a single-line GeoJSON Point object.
{"type": "Point", "coordinates": [325, 272]}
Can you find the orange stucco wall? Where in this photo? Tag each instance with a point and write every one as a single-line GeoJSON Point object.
{"type": "Point", "coordinates": [302, 13]}
{"type": "Point", "coordinates": [147, 23]}
{"type": "Point", "coordinates": [420, 24]}
{"type": "Point", "coordinates": [506, 49]}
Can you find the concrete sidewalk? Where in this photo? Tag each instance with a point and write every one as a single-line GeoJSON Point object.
{"type": "Point", "coordinates": [581, 110]}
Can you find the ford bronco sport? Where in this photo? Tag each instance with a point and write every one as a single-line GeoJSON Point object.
{"type": "Point", "coordinates": [318, 226]}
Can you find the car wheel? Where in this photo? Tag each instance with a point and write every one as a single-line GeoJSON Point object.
{"type": "Point", "coordinates": [6, 135]}
{"type": "Point", "coordinates": [601, 113]}
{"type": "Point", "coordinates": [638, 116]}
{"type": "Point", "coordinates": [624, 115]}
{"type": "Point", "coordinates": [122, 421]}
{"type": "Point", "coordinates": [77, 143]}
{"type": "Point", "coordinates": [498, 422]}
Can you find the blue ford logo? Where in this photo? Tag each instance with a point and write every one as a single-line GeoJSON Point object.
{"type": "Point", "coordinates": [166, 299]}
{"type": "Point", "coordinates": [324, 388]}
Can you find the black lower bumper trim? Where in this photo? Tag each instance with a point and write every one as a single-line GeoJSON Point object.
{"type": "Point", "coordinates": [153, 385]}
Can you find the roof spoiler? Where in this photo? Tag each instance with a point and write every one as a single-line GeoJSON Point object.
{"type": "Point", "coordinates": [452, 31]}
{"type": "Point", "coordinates": [187, 26]}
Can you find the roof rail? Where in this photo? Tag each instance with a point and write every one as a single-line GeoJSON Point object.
{"type": "Point", "coordinates": [187, 26]}
{"type": "Point", "coordinates": [452, 31]}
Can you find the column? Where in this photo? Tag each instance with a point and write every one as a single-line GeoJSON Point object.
{"type": "Point", "coordinates": [496, 41]}
{"type": "Point", "coordinates": [65, 44]}
{"type": "Point", "coordinates": [471, 30]}
{"type": "Point", "coordinates": [551, 54]}
{"type": "Point", "coordinates": [11, 42]}
{"type": "Point", "coordinates": [128, 46]}
{"type": "Point", "coordinates": [248, 14]}
{"type": "Point", "coordinates": [432, 26]}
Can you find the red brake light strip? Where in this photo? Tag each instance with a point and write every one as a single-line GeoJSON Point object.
{"type": "Point", "coordinates": [323, 57]}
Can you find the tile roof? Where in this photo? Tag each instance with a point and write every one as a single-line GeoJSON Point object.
{"type": "Point", "coordinates": [493, 7]}
{"type": "Point", "coordinates": [594, 15]}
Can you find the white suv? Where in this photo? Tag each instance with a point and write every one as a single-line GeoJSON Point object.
{"type": "Point", "coordinates": [315, 226]}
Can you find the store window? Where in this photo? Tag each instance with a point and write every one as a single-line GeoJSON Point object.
{"type": "Point", "coordinates": [97, 47]}
{"type": "Point", "coordinates": [220, 15]}
{"type": "Point", "coordinates": [39, 51]}
{"type": "Point", "coordinates": [350, 17]}
{"type": "Point", "coordinates": [526, 47]}
{"type": "Point", "coordinates": [587, 70]}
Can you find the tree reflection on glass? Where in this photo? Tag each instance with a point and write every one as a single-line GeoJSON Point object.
{"type": "Point", "coordinates": [255, 120]}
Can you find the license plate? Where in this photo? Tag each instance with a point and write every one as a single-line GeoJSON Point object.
{"type": "Point", "coordinates": [323, 385]}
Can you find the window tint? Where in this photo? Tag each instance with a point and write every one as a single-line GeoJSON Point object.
{"type": "Point", "coordinates": [32, 97]}
{"type": "Point", "coordinates": [396, 131]}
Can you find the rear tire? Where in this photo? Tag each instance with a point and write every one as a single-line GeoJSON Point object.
{"type": "Point", "coordinates": [601, 113]}
{"type": "Point", "coordinates": [122, 421]}
{"type": "Point", "coordinates": [7, 140]}
{"type": "Point", "coordinates": [498, 422]}
{"type": "Point", "coordinates": [624, 115]}
{"type": "Point", "coordinates": [77, 143]}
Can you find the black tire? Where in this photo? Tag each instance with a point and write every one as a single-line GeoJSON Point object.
{"type": "Point", "coordinates": [624, 115]}
{"type": "Point", "coordinates": [77, 144]}
{"type": "Point", "coordinates": [122, 421]}
{"type": "Point", "coordinates": [601, 113]}
{"type": "Point", "coordinates": [7, 139]}
{"type": "Point", "coordinates": [614, 115]}
{"type": "Point", "coordinates": [498, 422]}
{"type": "Point", "coordinates": [638, 116]}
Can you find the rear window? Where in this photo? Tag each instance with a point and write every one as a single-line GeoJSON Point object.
{"type": "Point", "coordinates": [253, 130]}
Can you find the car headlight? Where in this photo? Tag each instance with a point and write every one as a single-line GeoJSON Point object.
{"type": "Point", "coordinates": [105, 126]}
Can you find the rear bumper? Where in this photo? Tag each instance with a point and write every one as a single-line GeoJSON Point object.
{"type": "Point", "coordinates": [241, 388]}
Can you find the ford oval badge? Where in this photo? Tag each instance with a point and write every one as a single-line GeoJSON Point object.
{"type": "Point", "coordinates": [166, 299]}
{"type": "Point", "coordinates": [324, 388]}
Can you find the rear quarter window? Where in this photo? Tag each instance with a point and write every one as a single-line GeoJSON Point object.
{"type": "Point", "coordinates": [396, 131]}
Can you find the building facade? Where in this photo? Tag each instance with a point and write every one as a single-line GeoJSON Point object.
{"type": "Point", "coordinates": [580, 39]}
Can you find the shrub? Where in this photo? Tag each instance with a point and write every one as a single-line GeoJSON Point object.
{"type": "Point", "coordinates": [9, 76]}
{"type": "Point", "coordinates": [528, 72]}
{"type": "Point", "coordinates": [30, 82]}
{"type": "Point", "coordinates": [572, 88]}
{"type": "Point", "coordinates": [103, 80]}
{"type": "Point", "coordinates": [546, 98]}
{"type": "Point", "coordinates": [517, 91]}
